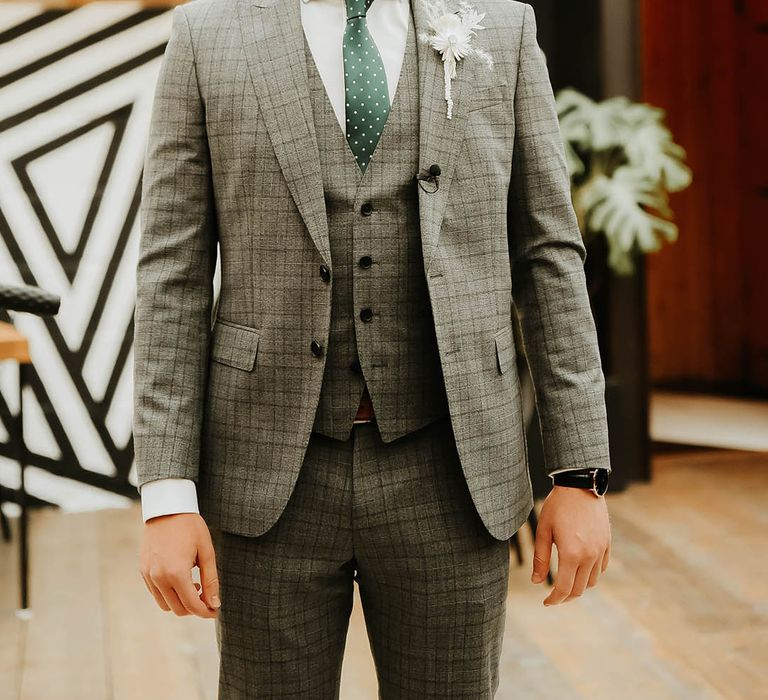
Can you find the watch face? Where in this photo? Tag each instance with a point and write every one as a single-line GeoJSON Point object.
{"type": "Point", "coordinates": [601, 481]}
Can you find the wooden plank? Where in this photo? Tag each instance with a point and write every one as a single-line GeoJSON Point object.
{"type": "Point", "coordinates": [12, 629]}
{"type": "Point", "coordinates": [358, 674]}
{"type": "Point", "coordinates": [153, 654]}
{"type": "Point", "coordinates": [593, 646]}
{"type": "Point", "coordinates": [65, 651]}
{"type": "Point", "coordinates": [688, 545]}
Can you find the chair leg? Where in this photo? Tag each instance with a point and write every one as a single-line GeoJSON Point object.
{"type": "Point", "coordinates": [5, 526]}
{"type": "Point", "coordinates": [515, 542]}
{"type": "Point", "coordinates": [23, 520]}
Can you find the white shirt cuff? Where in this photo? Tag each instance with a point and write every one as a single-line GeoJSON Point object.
{"type": "Point", "coordinates": [167, 496]}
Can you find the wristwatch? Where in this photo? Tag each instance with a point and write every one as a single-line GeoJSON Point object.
{"type": "Point", "coordinates": [596, 480]}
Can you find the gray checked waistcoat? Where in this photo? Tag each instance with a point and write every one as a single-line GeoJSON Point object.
{"type": "Point", "coordinates": [396, 348]}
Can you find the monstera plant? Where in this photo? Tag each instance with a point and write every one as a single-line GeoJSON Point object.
{"type": "Point", "coordinates": [623, 165]}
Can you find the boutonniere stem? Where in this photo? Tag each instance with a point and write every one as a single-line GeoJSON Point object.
{"type": "Point", "coordinates": [450, 33]}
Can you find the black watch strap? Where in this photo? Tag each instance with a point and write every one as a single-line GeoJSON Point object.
{"type": "Point", "coordinates": [596, 480]}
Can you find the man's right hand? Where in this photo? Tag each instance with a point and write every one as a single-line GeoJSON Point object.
{"type": "Point", "coordinates": [171, 546]}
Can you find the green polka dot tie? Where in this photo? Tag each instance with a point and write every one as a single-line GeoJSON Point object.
{"type": "Point", "coordinates": [367, 96]}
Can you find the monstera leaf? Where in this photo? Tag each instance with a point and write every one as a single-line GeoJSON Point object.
{"type": "Point", "coordinates": [651, 150]}
{"type": "Point", "coordinates": [587, 124]}
{"type": "Point", "coordinates": [620, 207]}
{"type": "Point", "coordinates": [623, 164]}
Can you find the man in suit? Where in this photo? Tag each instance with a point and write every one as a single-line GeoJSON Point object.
{"type": "Point", "coordinates": [350, 408]}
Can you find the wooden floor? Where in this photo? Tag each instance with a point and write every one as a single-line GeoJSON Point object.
{"type": "Point", "coordinates": [682, 611]}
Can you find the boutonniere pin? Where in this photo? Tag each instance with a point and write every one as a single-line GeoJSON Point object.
{"type": "Point", "coordinates": [451, 34]}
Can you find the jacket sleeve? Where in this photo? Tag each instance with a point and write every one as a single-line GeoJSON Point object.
{"type": "Point", "coordinates": [549, 290]}
{"type": "Point", "coordinates": [174, 277]}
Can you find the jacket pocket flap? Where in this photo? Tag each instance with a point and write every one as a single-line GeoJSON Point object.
{"type": "Point", "coordinates": [234, 345]}
{"type": "Point", "coordinates": [505, 350]}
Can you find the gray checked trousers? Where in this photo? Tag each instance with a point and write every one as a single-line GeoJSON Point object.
{"type": "Point", "coordinates": [397, 518]}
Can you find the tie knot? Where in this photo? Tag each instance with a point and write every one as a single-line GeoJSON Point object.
{"type": "Point", "coordinates": [357, 8]}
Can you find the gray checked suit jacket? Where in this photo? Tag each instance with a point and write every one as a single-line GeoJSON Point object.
{"type": "Point", "coordinates": [232, 160]}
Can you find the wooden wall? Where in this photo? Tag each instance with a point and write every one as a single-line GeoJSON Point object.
{"type": "Point", "coordinates": [706, 62]}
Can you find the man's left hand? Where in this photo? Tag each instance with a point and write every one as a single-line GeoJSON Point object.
{"type": "Point", "coordinates": [577, 522]}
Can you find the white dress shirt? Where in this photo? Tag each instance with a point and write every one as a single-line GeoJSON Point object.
{"type": "Point", "coordinates": [324, 22]}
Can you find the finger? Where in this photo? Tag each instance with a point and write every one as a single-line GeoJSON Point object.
{"type": "Point", "coordinates": [580, 580]}
{"type": "Point", "coordinates": [165, 586]}
{"type": "Point", "coordinates": [189, 598]}
{"type": "Point", "coordinates": [594, 575]}
{"type": "Point", "coordinates": [209, 575]}
{"type": "Point", "coordinates": [542, 553]}
{"type": "Point", "coordinates": [172, 599]}
{"type": "Point", "coordinates": [566, 573]}
{"type": "Point", "coordinates": [606, 556]}
{"type": "Point", "coordinates": [155, 593]}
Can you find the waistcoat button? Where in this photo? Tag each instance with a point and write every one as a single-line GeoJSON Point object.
{"type": "Point", "coordinates": [366, 314]}
{"type": "Point", "coordinates": [365, 261]}
{"type": "Point", "coordinates": [355, 365]}
{"type": "Point", "coordinates": [434, 169]}
{"type": "Point", "coordinates": [366, 209]}
{"type": "Point", "coordinates": [317, 348]}
{"type": "Point", "coordinates": [325, 273]}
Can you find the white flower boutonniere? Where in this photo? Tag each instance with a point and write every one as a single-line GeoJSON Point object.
{"type": "Point", "coordinates": [451, 34]}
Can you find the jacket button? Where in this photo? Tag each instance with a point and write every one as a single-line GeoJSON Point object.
{"type": "Point", "coordinates": [355, 365]}
{"type": "Point", "coordinates": [434, 169]}
{"type": "Point", "coordinates": [366, 314]}
{"type": "Point", "coordinates": [325, 273]}
{"type": "Point", "coordinates": [366, 209]}
{"type": "Point", "coordinates": [366, 261]}
{"type": "Point", "coordinates": [317, 348]}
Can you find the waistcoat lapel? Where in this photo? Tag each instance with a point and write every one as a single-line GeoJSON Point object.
{"type": "Point", "coordinates": [273, 39]}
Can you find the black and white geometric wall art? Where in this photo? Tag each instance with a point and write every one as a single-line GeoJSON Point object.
{"type": "Point", "coordinates": [76, 90]}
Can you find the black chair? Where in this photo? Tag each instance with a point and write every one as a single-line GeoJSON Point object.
{"type": "Point", "coordinates": [23, 299]}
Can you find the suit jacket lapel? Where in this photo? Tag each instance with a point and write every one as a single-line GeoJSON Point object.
{"type": "Point", "coordinates": [273, 39]}
{"type": "Point", "coordinates": [439, 137]}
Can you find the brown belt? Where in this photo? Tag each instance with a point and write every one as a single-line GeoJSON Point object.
{"type": "Point", "coordinates": [365, 409]}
